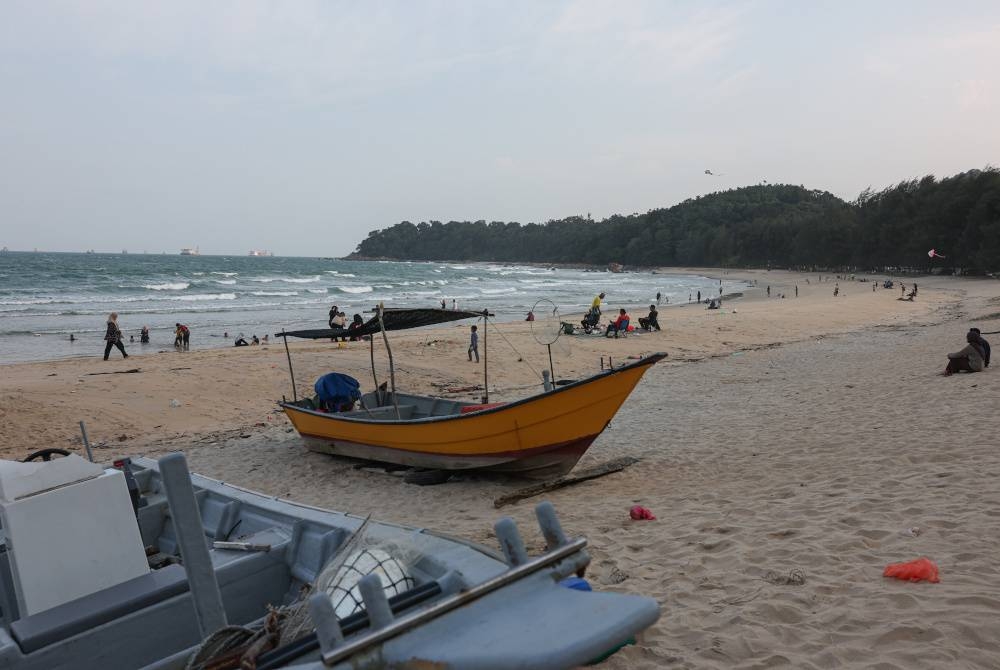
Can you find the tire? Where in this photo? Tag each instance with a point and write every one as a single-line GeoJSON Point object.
{"type": "Point", "coordinates": [426, 477]}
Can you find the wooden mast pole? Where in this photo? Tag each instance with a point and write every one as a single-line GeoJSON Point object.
{"type": "Point", "coordinates": [486, 358]}
{"type": "Point", "coordinates": [392, 369]}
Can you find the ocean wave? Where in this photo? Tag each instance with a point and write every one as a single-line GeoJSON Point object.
{"type": "Point", "coordinates": [318, 290]}
{"type": "Point", "coordinates": [274, 293]}
{"type": "Point", "coordinates": [497, 291]}
{"type": "Point", "coordinates": [355, 289]}
{"type": "Point", "coordinates": [31, 301]}
{"type": "Point", "coordinates": [339, 274]}
{"type": "Point", "coordinates": [227, 282]}
{"type": "Point", "coordinates": [287, 280]}
{"type": "Point", "coordinates": [168, 286]}
{"type": "Point", "coordinates": [226, 274]}
{"type": "Point", "coordinates": [204, 296]}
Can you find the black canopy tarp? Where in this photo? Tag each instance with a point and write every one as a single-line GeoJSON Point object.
{"type": "Point", "coordinates": [394, 319]}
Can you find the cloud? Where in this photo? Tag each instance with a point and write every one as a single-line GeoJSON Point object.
{"type": "Point", "coordinates": [651, 41]}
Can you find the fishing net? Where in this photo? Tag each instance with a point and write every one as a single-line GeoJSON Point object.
{"type": "Point", "coordinates": [366, 552]}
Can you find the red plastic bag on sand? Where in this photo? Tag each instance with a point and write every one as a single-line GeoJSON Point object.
{"type": "Point", "coordinates": [922, 569]}
{"type": "Point", "coordinates": [640, 513]}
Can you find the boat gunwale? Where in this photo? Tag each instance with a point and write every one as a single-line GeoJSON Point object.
{"type": "Point", "coordinates": [647, 361]}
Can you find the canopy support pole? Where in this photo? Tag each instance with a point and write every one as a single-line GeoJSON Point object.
{"type": "Point", "coordinates": [392, 369]}
{"type": "Point", "coordinates": [371, 351]}
{"type": "Point", "coordinates": [291, 372]}
{"type": "Point", "coordinates": [552, 370]}
{"type": "Point", "coordinates": [486, 358]}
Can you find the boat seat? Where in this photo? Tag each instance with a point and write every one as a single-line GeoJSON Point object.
{"type": "Point", "coordinates": [76, 616]}
{"type": "Point", "coordinates": [387, 413]}
{"type": "Point", "coordinates": [233, 569]}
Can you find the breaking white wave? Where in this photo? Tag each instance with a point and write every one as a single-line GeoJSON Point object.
{"type": "Point", "coordinates": [204, 296]}
{"type": "Point", "coordinates": [356, 289]}
{"type": "Point", "coordinates": [284, 293]}
{"type": "Point", "coordinates": [169, 286]}
{"type": "Point", "coordinates": [287, 280]}
{"type": "Point", "coordinates": [225, 281]}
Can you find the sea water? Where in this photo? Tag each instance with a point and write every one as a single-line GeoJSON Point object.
{"type": "Point", "coordinates": [45, 297]}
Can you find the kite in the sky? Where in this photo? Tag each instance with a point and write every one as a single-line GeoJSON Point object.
{"type": "Point", "coordinates": [933, 254]}
{"type": "Point", "coordinates": [709, 172]}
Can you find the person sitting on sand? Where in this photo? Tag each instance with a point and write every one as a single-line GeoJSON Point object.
{"type": "Point", "coordinates": [265, 339]}
{"type": "Point", "coordinates": [969, 359]}
{"type": "Point", "coordinates": [619, 325]}
{"type": "Point", "coordinates": [531, 316]}
{"type": "Point", "coordinates": [355, 325]}
{"type": "Point", "coordinates": [254, 340]}
{"type": "Point", "coordinates": [651, 322]}
{"type": "Point", "coordinates": [984, 344]}
{"type": "Point", "coordinates": [241, 341]}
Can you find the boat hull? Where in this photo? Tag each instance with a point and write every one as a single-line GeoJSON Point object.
{"type": "Point", "coordinates": [541, 436]}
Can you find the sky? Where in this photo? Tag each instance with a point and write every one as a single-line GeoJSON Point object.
{"type": "Point", "coordinates": [299, 126]}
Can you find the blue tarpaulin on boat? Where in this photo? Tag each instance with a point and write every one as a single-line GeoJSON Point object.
{"type": "Point", "coordinates": [337, 388]}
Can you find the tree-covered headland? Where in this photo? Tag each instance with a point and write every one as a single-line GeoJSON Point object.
{"type": "Point", "coordinates": [753, 226]}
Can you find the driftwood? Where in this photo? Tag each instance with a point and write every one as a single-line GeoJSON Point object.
{"type": "Point", "coordinates": [606, 468]}
{"type": "Point", "coordinates": [116, 372]}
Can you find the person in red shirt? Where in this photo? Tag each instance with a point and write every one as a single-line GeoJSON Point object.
{"type": "Point", "coordinates": [618, 325]}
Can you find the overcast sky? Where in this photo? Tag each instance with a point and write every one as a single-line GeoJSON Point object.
{"type": "Point", "coordinates": [300, 126]}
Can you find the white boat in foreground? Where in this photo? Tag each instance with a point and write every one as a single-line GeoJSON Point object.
{"type": "Point", "coordinates": [135, 567]}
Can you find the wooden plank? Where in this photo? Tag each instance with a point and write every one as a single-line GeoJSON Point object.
{"type": "Point", "coordinates": [606, 468]}
{"type": "Point", "coordinates": [116, 372]}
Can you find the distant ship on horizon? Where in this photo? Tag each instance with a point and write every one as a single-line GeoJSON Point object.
{"type": "Point", "coordinates": [188, 251]}
{"type": "Point", "coordinates": [260, 252]}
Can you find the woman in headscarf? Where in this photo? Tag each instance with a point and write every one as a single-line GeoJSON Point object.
{"type": "Point", "coordinates": [970, 359]}
{"type": "Point", "coordinates": [113, 336]}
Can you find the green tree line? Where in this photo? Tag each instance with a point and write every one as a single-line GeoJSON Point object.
{"type": "Point", "coordinates": [754, 226]}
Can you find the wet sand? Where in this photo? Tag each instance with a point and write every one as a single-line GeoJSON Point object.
{"type": "Point", "coordinates": [790, 450]}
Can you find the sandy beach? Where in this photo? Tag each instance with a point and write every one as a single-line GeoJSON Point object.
{"type": "Point", "coordinates": [790, 449]}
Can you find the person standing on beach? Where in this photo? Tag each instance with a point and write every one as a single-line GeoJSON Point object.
{"type": "Point", "coordinates": [333, 315]}
{"type": "Point", "coordinates": [113, 336]}
{"type": "Point", "coordinates": [699, 295]}
{"type": "Point", "coordinates": [182, 336]}
{"type": "Point", "coordinates": [796, 290]}
{"type": "Point", "coordinates": [769, 291]}
{"type": "Point", "coordinates": [474, 343]}
{"type": "Point", "coordinates": [657, 297]}
{"type": "Point", "coordinates": [443, 306]}
{"type": "Point", "coordinates": [596, 303]}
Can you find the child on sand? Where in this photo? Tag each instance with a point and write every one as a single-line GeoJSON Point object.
{"type": "Point", "coordinates": [474, 344]}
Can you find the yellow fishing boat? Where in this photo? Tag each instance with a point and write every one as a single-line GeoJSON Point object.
{"type": "Point", "coordinates": [540, 436]}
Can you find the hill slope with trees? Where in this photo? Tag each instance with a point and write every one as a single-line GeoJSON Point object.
{"type": "Point", "coordinates": [753, 226]}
